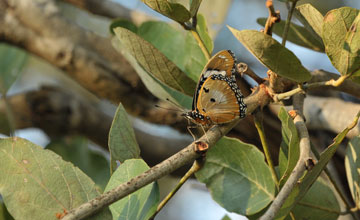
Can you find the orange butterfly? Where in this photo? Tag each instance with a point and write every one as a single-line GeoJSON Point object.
{"type": "Point", "coordinates": [217, 99]}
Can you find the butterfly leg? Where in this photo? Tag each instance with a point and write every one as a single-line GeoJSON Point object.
{"type": "Point", "coordinates": [202, 127]}
{"type": "Point", "coordinates": [192, 134]}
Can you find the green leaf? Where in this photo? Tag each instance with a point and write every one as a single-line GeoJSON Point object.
{"type": "Point", "coordinates": [311, 18]}
{"type": "Point", "coordinates": [352, 166]}
{"type": "Point", "coordinates": [215, 13]}
{"type": "Point", "coordinates": [237, 176]}
{"type": "Point", "coordinates": [272, 54]}
{"type": "Point", "coordinates": [140, 204]}
{"type": "Point", "coordinates": [156, 87]}
{"type": "Point", "coordinates": [300, 189]}
{"type": "Point", "coordinates": [289, 148]}
{"type": "Point", "coordinates": [38, 183]}
{"type": "Point", "coordinates": [202, 29]}
{"type": "Point", "coordinates": [122, 140]}
{"type": "Point", "coordinates": [4, 124]}
{"type": "Point", "coordinates": [12, 61]}
{"type": "Point", "coordinates": [318, 203]}
{"type": "Point", "coordinates": [76, 150]}
{"type": "Point", "coordinates": [125, 23]}
{"type": "Point", "coordinates": [297, 35]}
{"type": "Point", "coordinates": [174, 11]}
{"type": "Point", "coordinates": [342, 39]}
{"type": "Point", "coordinates": [180, 48]}
{"type": "Point", "coordinates": [356, 79]}
{"type": "Point", "coordinates": [197, 60]}
{"type": "Point", "coordinates": [226, 217]}
{"type": "Point", "coordinates": [4, 214]}
{"type": "Point", "coordinates": [154, 62]}
{"type": "Point", "coordinates": [194, 7]}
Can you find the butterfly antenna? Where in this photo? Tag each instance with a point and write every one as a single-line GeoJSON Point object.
{"type": "Point", "coordinates": [169, 109]}
{"type": "Point", "coordinates": [180, 108]}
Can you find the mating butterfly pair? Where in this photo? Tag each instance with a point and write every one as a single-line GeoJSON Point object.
{"type": "Point", "coordinates": [217, 99]}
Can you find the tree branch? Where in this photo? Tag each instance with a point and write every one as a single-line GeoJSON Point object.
{"type": "Point", "coordinates": [110, 9]}
{"type": "Point", "coordinates": [187, 155]}
{"type": "Point", "coordinates": [84, 56]}
{"type": "Point", "coordinates": [300, 167]}
{"type": "Point", "coordinates": [58, 113]}
{"type": "Point", "coordinates": [327, 113]}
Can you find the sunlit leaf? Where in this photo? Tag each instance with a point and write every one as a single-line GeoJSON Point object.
{"type": "Point", "coordinates": [311, 18]}
{"type": "Point", "coordinates": [341, 37]}
{"type": "Point", "coordinates": [38, 183]}
{"type": "Point", "coordinates": [154, 62]}
{"type": "Point", "coordinates": [237, 176]}
{"type": "Point", "coordinates": [272, 54]}
{"type": "Point", "coordinates": [352, 166]}
{"type": "Point", "coordinates": [289, 149]}
{"type": "Point", "coordinates": [12, 61]}
{"type": "Point", "coordinates": [76, 150]}
{"type": "Point", "coordinates": [297, 35]}
{"type": "Point", "coordinates": [215, 12]}
{"type": "Point", "coordinates": [140, 204]}
{"type": "Point", "coordinates": [122, 140]}
{"type": "Point", "coordinates": [175, 11]}
{"type": "Point", "coordinates": [203, 32]}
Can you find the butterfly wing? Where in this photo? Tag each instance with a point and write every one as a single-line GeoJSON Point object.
{"type": "Point", "coordinates": [219, 99]}
{"type": "Point", "coordinates": [222, 63]}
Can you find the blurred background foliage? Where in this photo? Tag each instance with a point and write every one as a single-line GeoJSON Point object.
{"type": "Point", "coordinates": [193, 201]}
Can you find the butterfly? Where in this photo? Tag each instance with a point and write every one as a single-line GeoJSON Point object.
{"type": "Point", "coordinates": [217, 98]}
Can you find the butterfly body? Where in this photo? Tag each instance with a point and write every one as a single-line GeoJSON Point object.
{"type": "Point", "coordinates": [217, 99]}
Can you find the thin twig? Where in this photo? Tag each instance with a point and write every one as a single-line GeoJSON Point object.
{"type": "Point", "coordinates": [300, 167]}
{"type": "Point", "coordinates": [303, 88]}
{"type": "Point", "coordinates": [259, 126]}
{"type": "Point", "coordinates": [243, 68]}
{"type": "Point", "coordinates": [348, 86]}
{"type": "Point", "coordinates": [194, 168]}
{"type": "Point", "coordinates": [274, 17]}
{"type": "Point", "coordinates": [288, 22]}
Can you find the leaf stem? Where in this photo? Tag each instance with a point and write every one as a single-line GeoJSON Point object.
{"type": "Point", "coordinates": [288, 22]}
{"type": "Point", "coordinates": [194, 168]}
{"type": "Point", "coordinates": [259, 126]}
{"type": "Point", "coordinates": [303, 88]}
